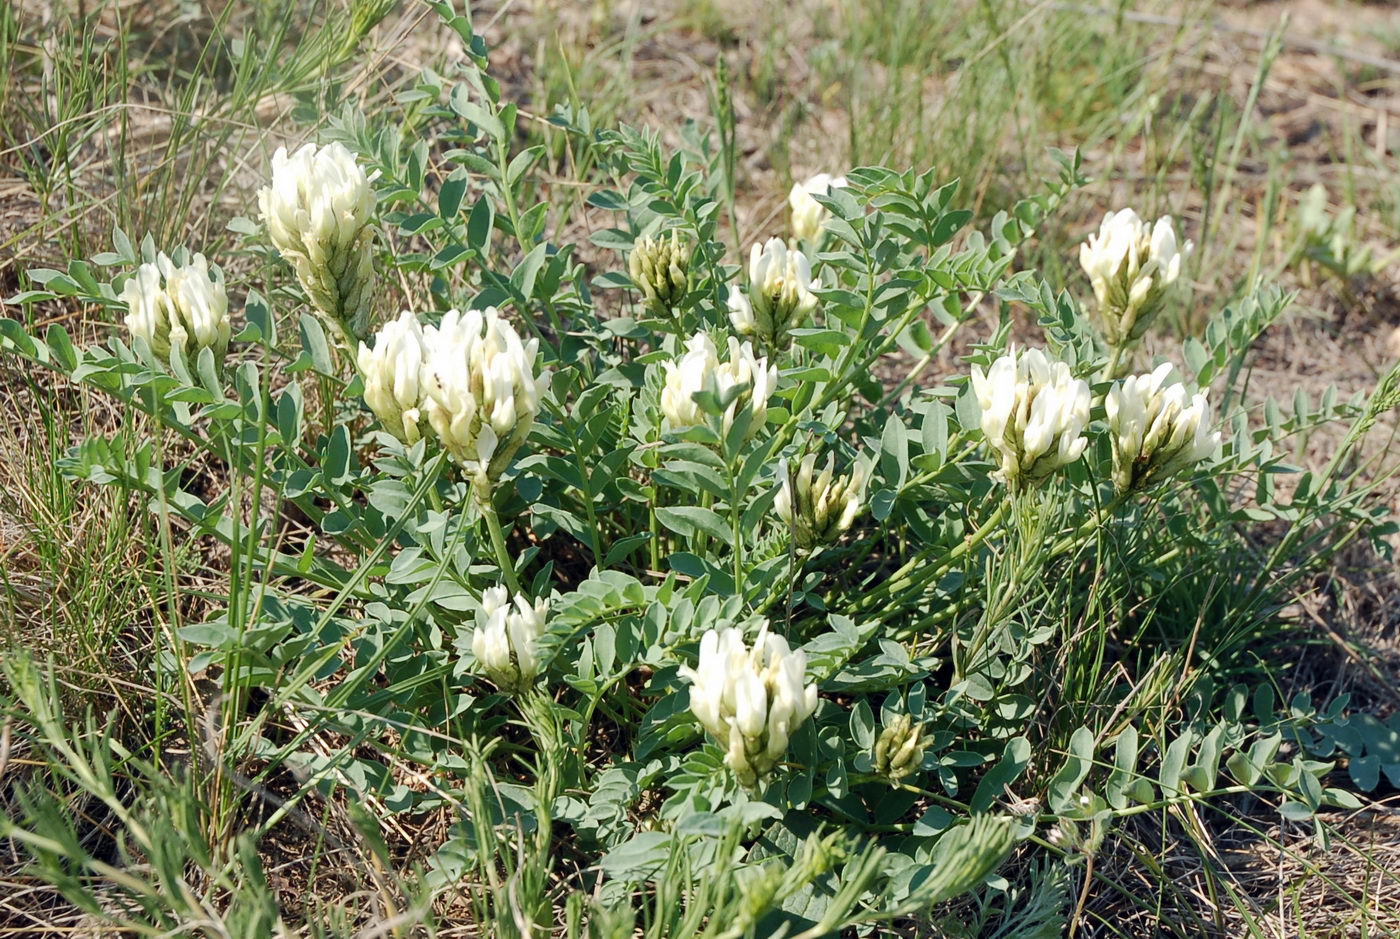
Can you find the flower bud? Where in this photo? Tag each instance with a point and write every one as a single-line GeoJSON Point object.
{"type": "Point", "coordinates": [741, 313]}
{"type": "Point", "coordinates": [750, 701]}
{"type": "Point", "coordinates": [1131, 268]}
{"type": "Point", "coordinates": [317, 211]}
{"type": "Point", "coordinates": [900, 748]}
{"type": "Point", "coordinates": [1033, 412]}
{"type": "Point", "coordinates": [1158, 429]}
{"type": "Point", "coordinates": [701, 370]}
{"type": "Point", "coordinates": [818, 507]}
{"type": "Point", "coordinates": [506, 639]}
{"type": "Point", "coordinates": [392, 373]}
{"type": "Point", "coordinates": [481, 390]}
{"type": "Point", "coordinates": [178, 307]}
{"type": "Point", "coordinates": [808, 215]}
{"type": "Point", "coordinates": [780, 293]}
{"type": "Point", "coordinates": [659, 267]}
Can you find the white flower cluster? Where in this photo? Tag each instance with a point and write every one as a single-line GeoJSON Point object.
{"type": "Point", "coordinates": [471, 376]}
{"type": "Point", "coordinates": [1158, 429]}
{"type": "Point", "coordinates": [808, 215]}
{"type": "Point", "coordinates": [750, 700]}
{"type": "Point", "coordinates": [482, 391]}
{"type": "Point", "coordinates": [393, 375]}
{"type": "Point", "coordinates": [1033, 414]}
{"type": "Point", "coordinates": [818, 507]}
{"type": "Point", "coordinates": [182, 307]}
{"type": "Point", "coordinates": [506, 639]}
{"type": "Point", "coordinates": [780, 294]}
{"type": "Point", "coordinates": [317, 210]}
{"type": "Point", "coordinates": [700, 369]}
{"type": "Point", "coordinates": [1131, 267]}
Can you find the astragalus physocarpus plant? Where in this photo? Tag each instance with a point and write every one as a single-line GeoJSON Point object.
{"type": "Point", "coordinates": [714, 589]}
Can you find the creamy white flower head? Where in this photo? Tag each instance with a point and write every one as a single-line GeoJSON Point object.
{"type": "Point", "coordinates": [181, 307]}
{"type": "Point", "coordinates": [317, 209]}
{"type": "Point", "coordinates": [506, 639]}
{"type": "Point", "coordinates": [751, 701]}
{"type": "Point", "coordinates": [1158, 429]}
{"type": "Point", "coordinates": [808, 215]}
{"type": "Point", "coordinates": [481, 390]}
{"type": "Point", "coordinates": [392, 373]}
{"type": "Point", "coordinates": [700, 369]}
{"type": "Point", "coordinates": [780, 292]}
{"type": "Point", "coordinates": [1033, 414]}
{"type": "Point", "coordinates": [1131, 267]}
{"type": "Point", "coordinates": [818, 506]}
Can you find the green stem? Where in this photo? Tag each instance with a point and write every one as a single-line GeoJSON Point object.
{"type": "Point", "coordinates": [902, 577]}
{"type": "Point", "coordinates": [734, 522]}
{"type": "Point", "coordinates": [498, 542]}
{"type": "Point", "coordinates": [1114, 361]}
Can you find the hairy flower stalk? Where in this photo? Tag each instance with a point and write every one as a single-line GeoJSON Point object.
{"type": "Point", "coordinates": [481, 391]}
{"type": "Point", "coordinates": [182, 307]}
{"type": "Point", "coordinates": [750, 700]}
{"type": "Point", "coordinates": [700, 369]}
{"type": "Point", "coordinates": [317, 210]}
{"type": "Point", "coordinates": [392, 373]}
{"type": "Point", "coordinates": [808, 215]}
{"type": "Point", "coordinates": [659, 266]}
{"type": "Point", "coordinates": [780, 294]}
{"type": "Point", "coordinates": [1132, 267]}
{"type": "Point", "coordinates": [900, 748]}
{"type": "Point", "coordinates": [506, 639]}
{"type": "Point", "coordinates": [1158, 429]}
{"type": "Point", "coordinates": [818, 507]}
{"type": "Point", "coordinates": [1033, 414]}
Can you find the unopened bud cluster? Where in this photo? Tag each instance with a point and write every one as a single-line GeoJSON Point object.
{"type": "Point", "coordinates": [1158, 429]}
{"type": "Point", "coordinates": [751, 701]}
{"type": "Point", "coordinates": [317, 210]}
{"type": "Point", "coordinates": [1131, 267]}
{"type": "Point", "coordinates": [1033, 413]}
{"type": "Point", "coordinates": [780, 294]}
{"type": "Point", "coordinates": [178, 307]}
{"type": "Point", "coordinates": [700, 370]}
{"type": "Point", "coordinates": [506, 639]}
{"type": "Point", "coordinates": [818, 507]}
{"type": "Point", "coordinates": [900, 748]}
{"type": "Point", "coordinates": [660, 267]}
{"type": "Point", "coordinates": [471, 376]}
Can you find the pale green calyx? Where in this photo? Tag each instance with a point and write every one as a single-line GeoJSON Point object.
{"type": "Point", "coordinates": [900, 748]}
{"type": "Point", "coordinates": [659, 267]}
{"type": "Point", "coordinates": [818, 507]}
